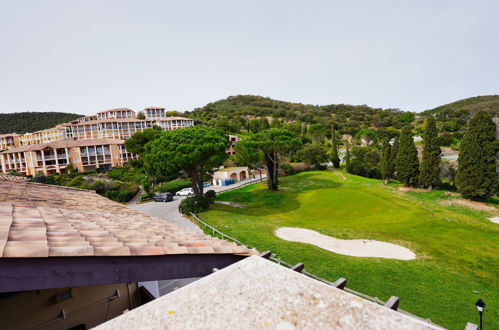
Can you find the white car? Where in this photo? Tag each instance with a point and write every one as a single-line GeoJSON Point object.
{"type": "Point", "coordinates": [185, 192]}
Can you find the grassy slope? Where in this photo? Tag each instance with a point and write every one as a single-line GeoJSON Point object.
{"type": "Point", "coordinates": [456, 247]}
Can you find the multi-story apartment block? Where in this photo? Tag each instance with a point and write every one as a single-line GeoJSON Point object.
{"type": "Point", "coordinates": [53, 157]}
{"type": "Point", "coordinates": [109, 124]}
{"type": "Point", "coordinates": [154, 113]}
{"type": "Point", "coordinates": [9, 141]}
{"type": "Point", "coordinates": [86, 143]}
{"type": "Point", "coordinates": [44, 136]}
{"type": "Point", "coordinates": [116, 114]}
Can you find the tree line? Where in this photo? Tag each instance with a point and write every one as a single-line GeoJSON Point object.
{"type": "Point", "coordinates": [24, 122]}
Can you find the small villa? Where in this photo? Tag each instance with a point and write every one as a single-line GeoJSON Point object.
{"type": "Point", "coordinates": [223, 176]}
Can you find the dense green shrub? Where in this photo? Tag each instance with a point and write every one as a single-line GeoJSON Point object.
{"type": "Point", "coordinates": [76, 182]}
{"type": "Point", "coordinates": [287, 168]}
{"type": "Point", "coordinates": [365, 161]}
{"type": "Point", "coordinates": [210, 195]}
{"type": "Point", "coordinates": [174, 186]}
{"type": "Point", "coordinates": [99, 186]}
{"type": "Point", "coordinates": [194, 205]}
{"type": "Point", "coordinates": [124, 195]}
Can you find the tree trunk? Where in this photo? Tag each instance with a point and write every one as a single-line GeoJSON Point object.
{"type": "Point", "coordinates": [197, 176]}
{"type": "Point", "coordinates": [194, 181]}
{"type": "Point", "coordinates": [271, 172]}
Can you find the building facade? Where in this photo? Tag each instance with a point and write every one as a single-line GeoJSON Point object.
{"type": "Point", "coordinates": [9, 141]}
{"type": "Point", "coordinates": [54, 157]}
{"type": "Point", "coordinates": [119, 123]}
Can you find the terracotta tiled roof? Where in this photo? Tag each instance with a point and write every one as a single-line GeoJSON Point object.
{"type": "Point", "coordinates": [9, 135]}
{"type": "Point", "coordinates": [117, 109]}
{"type": "Point", "coordinates": [39, 220]}
{"type": "Point", "coordinates": [65, 144]}
{"type": "Point", "coordinates": [154, 108]}
{"type": "Point", "coordinates": [109, 120]}
{"type": "Point", "coordinates": [174, 118]}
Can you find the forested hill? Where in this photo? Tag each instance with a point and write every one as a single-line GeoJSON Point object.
{"type": "Point", "coordinates": [23, 122]}
{"type": "Point", "coordinates": [235, 112]}
{"type": "Point", "coordinates": [462, 110]}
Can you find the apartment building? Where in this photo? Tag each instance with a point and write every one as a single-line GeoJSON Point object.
{"type": "Point", "coordinates": [119, 123]}
{"type": "Point", "coordinates": [9, 141]}
{"type": "Point", "coordinates": [154, 113]}
{"type": "Point", "coordinates": [53, 157]}
{"type": "Point", "coordinates": [116, 114]}
{"type": "Point", "coordinates": [44, 136]}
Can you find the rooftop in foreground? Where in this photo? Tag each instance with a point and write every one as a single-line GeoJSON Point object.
{"type": "Point", "coordinates": [53, 236]}
{"type": "Point", "coordinates": [256, 293]}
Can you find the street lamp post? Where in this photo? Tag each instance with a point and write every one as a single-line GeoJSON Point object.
{"type": "Point", "coordinates": [480, 306]}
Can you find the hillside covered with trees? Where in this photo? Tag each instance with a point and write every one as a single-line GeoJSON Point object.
{"type": "Point", "coordinates": [23, 122]}
{"type": "Point", "coordinates": [241, 113]}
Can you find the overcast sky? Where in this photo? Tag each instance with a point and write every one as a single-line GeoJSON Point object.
{"type": "Point", "coordinates": [87, 56]}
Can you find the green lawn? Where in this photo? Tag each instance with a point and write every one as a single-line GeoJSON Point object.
{"type": "Point", "coordinates": [457, 248]}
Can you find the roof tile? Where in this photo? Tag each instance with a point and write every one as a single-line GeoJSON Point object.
{"type": "Point", "coordinates": [64, 221]}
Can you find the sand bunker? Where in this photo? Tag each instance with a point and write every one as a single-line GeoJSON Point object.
{"type": "Point", "coordinates": [349, 247]}
{"type": "Point", "coordinates": [494, 219]}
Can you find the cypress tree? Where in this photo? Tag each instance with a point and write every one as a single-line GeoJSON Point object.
{"type": "Point", "coordinates": [263, 124]}
{"type": "Point", "coordinates": [386, 162]}
{"type": "Point", "coordinates": [334, 151]}
{"type": "Point", "coordinates": [347, 159]}
{"type": "Point", "coordinates": [407, 163]}
{"type": "Point", "coordinates": [430, 164]}
{"type": "Point", "coordinates": [476, 174]}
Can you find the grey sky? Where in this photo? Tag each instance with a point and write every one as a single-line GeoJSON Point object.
{"type": "Point", "coordinates": [87, 56]}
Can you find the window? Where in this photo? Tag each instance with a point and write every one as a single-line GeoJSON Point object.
{"type": "Point", "coordinates": [75, 160]}
{"type": "Point", "coordinates": [115, 156]}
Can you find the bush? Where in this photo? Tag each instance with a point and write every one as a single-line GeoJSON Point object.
{"type": "Point", "coordinates": [76, 182]}
{"type": "Point", "coordinates": [194, 205]}
{"type": "Point", "coordinates": [124, 195]}
{"type": "Point", "coordinates": [146, 195]}
{"type": "Point", "coordinates": [174, 186]}
{"type": "Point", "coordinates": [99, 186]}
{"type": "Point", "coordinates": [210, 195]}
{"type": "Point", "coordinates": [300, 167]}
{"type": "Point", "coordinates": [287, 168]}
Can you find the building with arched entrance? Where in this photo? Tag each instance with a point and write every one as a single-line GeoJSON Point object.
{"type": "Point", "coordinates": [223, 176]}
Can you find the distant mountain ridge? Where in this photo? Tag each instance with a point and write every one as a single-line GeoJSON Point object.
{"type": "Point", "coordinates": [24, 122]}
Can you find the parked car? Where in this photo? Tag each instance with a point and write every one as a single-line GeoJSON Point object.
{"type": "Point", "coordinates": [206, 184]}
{"type": "Point", "coordinates": [163, 197]}
{"type": "Point", "coordinates": [185, 192]}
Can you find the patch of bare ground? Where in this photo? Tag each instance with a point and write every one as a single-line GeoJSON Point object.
{"type": "Point", "coordinates": [406, 189]}
{"type": "Point", "coordinates": [472, 204]}
{"type": "Point", "coordinates": [450, 193]}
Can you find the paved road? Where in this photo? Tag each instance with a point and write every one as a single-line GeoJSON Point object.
{"type": "Point", "coordinates": [169, 211]}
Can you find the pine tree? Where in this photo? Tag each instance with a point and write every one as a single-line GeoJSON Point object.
{"type": "Point", "coordinates": [407, 163]}
{"type": "Point", "coordinates": [476, 174]}
{"type": "Point", "coordinates": [386, 162]}
{"type": "Point", "coordinates": [334, 149]}
{"type": "Point", "coordinates": [430, 164]}
{"type": "Point", "coordinates": [347, 159]}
